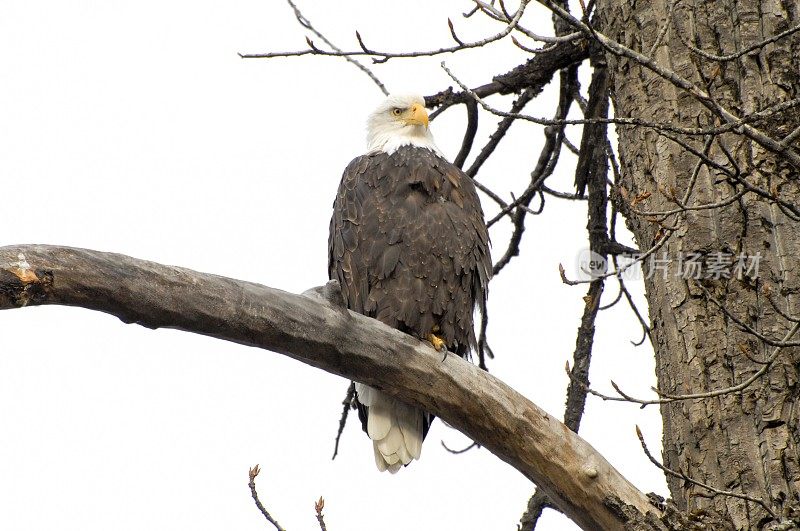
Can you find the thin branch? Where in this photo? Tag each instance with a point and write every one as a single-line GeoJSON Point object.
{"type": "Point", "coordinates": [561, 195]}
{"type": "Point", "coordinates": [469, 134]}
{"type": "Point", "coordinates": [518, 220]}
{"type": "Point", "coordinates": [493, 196]}
{"type": "Point", "coordinates": [696, 92]}
{"type": "Point", "coordinates": [307, 25]}
{"type": "Point", "coordinates": [618, 271]}
{"type": "Point", "coordinates": [791, 137]}
{"type": "Point", "coordinates": [579, 379]}
{"type": "Point", "coordinates": [500, 16]}
{"type": "Point", "coordinates": [646, 332]}
{"type": "Point", "coordinates": [791, 210]}
{"type": "Point", "coordinates": [318, 506]}
{"type": "Point", "coordinates": [747, 328]}
{"type": "Point", "coordinates": [687, 479]}
{"type": "Point", "coordinates": [669, 398]}
{"type": "Point", "coordinates": [536, 505]}
{"type": "Point", "coordinates": [453, 33]}
{"type": "Point", "coordinates": [630, 121]}
{"type": "Point", "coordinates": [531, 76]}
{"type": "Point", "coordinates": [571, 147]}
{"type": "Point", "coordinates": [461, 451]}
{"type": "Point", "coordinates": [500, 132]}
{"type": "Point", "coordinates": [613, 302]}
{"type": "Point", "coordinates": [736, 55]}
{"type": "Point", "coordinates": [525, 48]}
{"type": "Point", "coordinates": [484, 350]}
{"type": "Point", "coordinates": [382, 57]}
{"type": "Point", "coordinates": [777, 308]}
{"type": "Point", "coordinates": [346, 406]}
{"type": "Point", "coordinates": [690, 208]}
{"type": "Point", "coordinates": [548, 158]}
{"type": "Point", "coordinates": [252, 484]}
{"type": "Point", "coordinates": [664, 28]}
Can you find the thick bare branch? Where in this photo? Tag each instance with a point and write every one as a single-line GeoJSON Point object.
{"type": "Point", "coordinates": [532, 75]}
{"type": "Point", "coordinates": [317, 330]}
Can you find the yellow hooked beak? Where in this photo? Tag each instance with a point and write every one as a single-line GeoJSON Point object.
{"type": "Point", "coordinates": [417, 115]}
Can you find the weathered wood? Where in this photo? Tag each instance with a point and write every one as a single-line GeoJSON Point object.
{"type": "Point", "coordinates": [314, 329]}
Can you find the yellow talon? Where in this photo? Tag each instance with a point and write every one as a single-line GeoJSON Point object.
{"type": "Point", "coordinates": [436, 341]}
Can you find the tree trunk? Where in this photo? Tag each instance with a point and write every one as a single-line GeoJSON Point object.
{"type": "Point", "coordinates": [746, 441]}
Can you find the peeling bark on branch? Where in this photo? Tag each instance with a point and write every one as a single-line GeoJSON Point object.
{"type": "Point", "coordinates": [315, 330]}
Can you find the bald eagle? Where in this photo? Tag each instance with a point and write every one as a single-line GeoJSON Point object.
{"type": "Point", "coordinates": [409, 247]}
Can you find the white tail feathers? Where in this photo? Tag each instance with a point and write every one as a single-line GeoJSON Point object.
{"type": "Point", "coordinates": [395, 428]}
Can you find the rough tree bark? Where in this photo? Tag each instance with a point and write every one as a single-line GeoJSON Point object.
{"type": "Point", "coordinates": [746, 441]}
{"type": "Point", "coordinates": [317, 331]}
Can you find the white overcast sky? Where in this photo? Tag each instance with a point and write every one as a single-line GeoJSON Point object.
{"type": "Point", "coordinates": [134, 127]}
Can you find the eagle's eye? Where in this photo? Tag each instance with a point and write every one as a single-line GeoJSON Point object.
{"type": "Point", "coordinates": [397, 111]}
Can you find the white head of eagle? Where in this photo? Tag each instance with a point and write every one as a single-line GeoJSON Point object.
{"type": "Point", "coordinates": [400, 120]}
{"type": "Point", "coordinates": [409, 247]}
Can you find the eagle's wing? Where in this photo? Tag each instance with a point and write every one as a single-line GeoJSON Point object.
{"type": "Point", "coordinates": [409, 245]}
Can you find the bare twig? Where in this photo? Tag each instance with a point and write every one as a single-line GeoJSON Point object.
{"type": "Point", "coordinates": [252, 484]}
{"type": "Point", "coordinates": [484, 350]}
{"type": "Point", "coordinates": [664, 28]}
{"type": "Point", "coordinates": [500, 132]}
{"type": "Point", "coordinates": [318, 506]}
{"type": "Point", "coordinates": [461, 451]}
{"type": "Point", "coordinates": [453, 32]}
{"type": "Point", "coordinates": [579, 379]}
{"type": "Point", "coordinates": [730, 57]}
{"type": "Point", "coordinates": [548, 158]}
{"type": "Point", "coordinates": [668, 398]}
{"type": "Point", "coordinates": [536, 505]}
{"type": "Point", "coordinates": [678, 81]}
{"type": "Point", "coordinates": [791, 137]}
{"type": "Point", "coordinates": [618, 271]}
{"type": "Point", "coordinates": [307, 25]}
{"type": "Point", "coordinates": [346, 406]}
{"type": "Point", "coordinates": [469, 134]}
{"type": "Point", "coordinates": [493, 196]}
{"type": "Point", "coordinates": [631, 121]}
{"type": "Point", "coordinates": [680, 475]}
{"type": "Point", "coordinates": [561, 195]}
{"type": "Point", "coordinates": [784, 343]}
{"type": "Point", "coordinates": [501, 16]}
{"type": "Point", "coordinates": [382, 56]}
{"type": "Point", "coordinates": [688, 208]}
{"type": "Point", "coordinates": [530, 76]}
{"type": "Point", "coordinates": [646, 333]}
{"type": "Point", "coordinates": [613, 302]}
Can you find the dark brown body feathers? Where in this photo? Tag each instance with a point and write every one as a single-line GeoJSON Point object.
{"type": "Point", "coordinates": [409, 246]}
